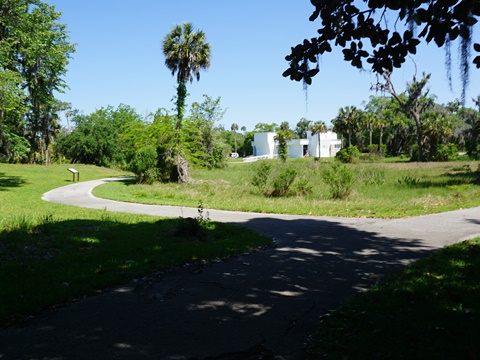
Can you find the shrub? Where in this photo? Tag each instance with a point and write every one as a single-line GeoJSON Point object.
{"type": "Point", "coordinates": [348, 155]}
{"type": "Point", "coordinates": [194, 227]}
{"type": "Point", "coordinates": [373, 149]}
{"type": "Point", "coordinates": [262, 174]}
{"type": "Point", "coordinates": [282, 183]}
{"type": "Point", "coordinates": [339, 179]}
{"type": "Point", "coordinates": [144, 163]}
{"type": "Point", "coordinates": [446, 152]}
{"type": "Point", "coordinates": [382, 150]}
{"type": "Point", "coordinates": [302, 187]}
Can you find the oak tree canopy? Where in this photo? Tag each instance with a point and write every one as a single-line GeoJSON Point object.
{"type": "Point", "coordinates": [383, 33]}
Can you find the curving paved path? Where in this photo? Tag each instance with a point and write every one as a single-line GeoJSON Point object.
{"type": "Point", "coordinates": [261, 305]}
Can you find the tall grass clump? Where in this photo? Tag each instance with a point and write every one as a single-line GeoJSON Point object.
{"type": "Point", "coordinates": [339, 179]}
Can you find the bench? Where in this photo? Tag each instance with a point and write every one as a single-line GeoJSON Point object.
{"type": "Point", "coordinates": [73, 171]}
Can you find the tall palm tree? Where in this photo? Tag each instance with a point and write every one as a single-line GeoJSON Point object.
{"type": "Point", "coordinates": [318, 128]}
{"type": "Point", "coordinates": [234, 129]}
{"type": "Point", "coordinates": [186, 53]}
{"type": "Point", "coordinates": [372, 121]}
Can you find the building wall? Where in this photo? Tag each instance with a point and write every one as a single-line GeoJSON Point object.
{"type": "Point", "coordinates": [264, 145]}
{"type": "Point", "coordinates": [295, 147]}
{"type": "Point", "coordinates": [329, 144]}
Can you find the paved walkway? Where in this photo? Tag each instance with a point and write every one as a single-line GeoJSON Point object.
{"type": "Point", "coordinates": [258, 306]}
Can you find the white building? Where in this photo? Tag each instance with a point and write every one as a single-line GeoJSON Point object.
{"type": "Point", "coordinates": [265, 146]}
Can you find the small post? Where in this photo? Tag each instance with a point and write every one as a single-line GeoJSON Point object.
{"type": "Point", "coordinates": [73, 171]}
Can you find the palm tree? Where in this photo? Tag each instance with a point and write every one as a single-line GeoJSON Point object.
{"type": "Point", "coordinates": [318, 128]}
{"type": "Point", "coordinates": [186, 53]}
{"type": "Point", "coordinates": [371, 121]}
{"type": "Point", "coordinates": [283, 135]}
{"type": "Point", "coordinates": [234, 129]}
{"type": "Point", "coordinates": [348, 121]}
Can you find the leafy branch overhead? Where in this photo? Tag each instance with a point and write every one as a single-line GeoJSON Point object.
{"type": "Point", "coordinates": [384, 32]}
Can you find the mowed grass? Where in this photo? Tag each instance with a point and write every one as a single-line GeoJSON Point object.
{"type": "Point", "coordinates": [52, 253]}
{"type": "Point", "coordinates": [431, 310]}
{"type": "Point", "coordinates": [382, 190]}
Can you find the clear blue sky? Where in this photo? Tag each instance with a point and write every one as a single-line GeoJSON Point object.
{"type": "Point", "coordinates": [119, 60]}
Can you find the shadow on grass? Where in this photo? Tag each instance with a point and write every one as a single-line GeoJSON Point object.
{"type": "Point", "coordinates": [453, 178]}
{"type": "Point", "coordinates": [46, 262]}
{"type": "Point", "coordinates": [275, 296]}
{"type": "Point", "coordinates": [10, 181]}
{"type": "Point", "coordinates": [432, 307]}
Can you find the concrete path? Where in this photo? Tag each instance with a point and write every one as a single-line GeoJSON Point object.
{"type": "Point", "coordinates": [256, 306]}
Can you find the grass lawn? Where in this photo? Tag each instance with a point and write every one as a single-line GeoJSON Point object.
{"type": "Point", "coordinates": [52, 253]}
{"type": "Point", "coordinates": [382, 190]}
{"type": "Point", "coordinates": [431, 310]}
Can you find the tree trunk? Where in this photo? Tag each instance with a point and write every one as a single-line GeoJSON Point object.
{"type": "Point", "coordinates": [182, 169]}
{"type": "Point", "coordinates": [416, 117]}
{"type": "Point", "coordinates": [319, 148]}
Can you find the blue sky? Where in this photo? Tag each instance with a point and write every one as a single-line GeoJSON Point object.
{"type": "Point", "coordinates": [119, 60]}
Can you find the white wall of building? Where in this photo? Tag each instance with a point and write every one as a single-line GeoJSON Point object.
{"type": "Point", "coordinates": [295, 147]}
{"type": "Point", "coordinates": [329, 144]}
{"type": "Point", "coordinates": [264, 145]}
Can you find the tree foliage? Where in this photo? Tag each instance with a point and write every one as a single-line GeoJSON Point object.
{"type": "Point", "coordinates": [283, 135]}
{"type": "Point", "coordinates": [385, 32]}
{"type": "Point", "coordinates": [34, 54]}
{"type": "Point", "coordinates": [96, 138]}
{"type": "Point", "coordinates": [202, 139]}
{"type": "Point", "coordinates": [303, 125]}
{"type": "Point", "coordinates": [348, 122]}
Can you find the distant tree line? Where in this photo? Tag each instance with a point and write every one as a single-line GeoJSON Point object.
{"type": "Point", "coordinates": [411, 124]}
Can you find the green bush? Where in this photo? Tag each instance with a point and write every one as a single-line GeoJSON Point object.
{"type": "Point", "coordinates": [302, 187]}
{"type": "Point", "coordinates": [446, 152]}
{"type": "Point", "coordinates": [373, 149]}
{"type": "Point", "coordinates": [262, 174]}
{"type": "Point", "coordinates": [339, 179]}
{"type": "Point", "coordinates": [283, 182]}
{"type": "Point", "coordinates": [382, 150]}
{"type": "Point", "coordinates": [348, 155]}
{"type": "Point", "coordinates": [144, 163]}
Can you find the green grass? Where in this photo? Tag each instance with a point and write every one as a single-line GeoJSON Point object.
{"type": "Point", "coordinates": [52, 253]}
{"type": "Point", "coordinates": [383, 190]}
{"type": "Point", "coordinates": [431, 310]}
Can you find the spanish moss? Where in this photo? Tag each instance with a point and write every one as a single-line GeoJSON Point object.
{"type": "Point", "coordinates": [448, 61]}
{"type": "Point", "coordinates": [465, 44]}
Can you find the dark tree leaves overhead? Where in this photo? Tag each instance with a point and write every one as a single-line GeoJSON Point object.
{"type": "Point", "coordinates": [382, 33]}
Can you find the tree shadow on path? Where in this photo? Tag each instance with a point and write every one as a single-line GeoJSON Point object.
{"type": "Point", "coordinates": [259, 304]}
